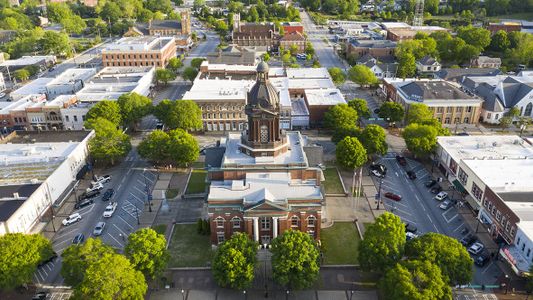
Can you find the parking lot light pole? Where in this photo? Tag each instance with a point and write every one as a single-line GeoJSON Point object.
{"type": "Point", "coordinates": [182, 294]}
{"type": "Point", "coordinates": [148, 196]}
{"type": "Point", "coordinates": [379, 193]}
{"type": "Point", "coordinates": [137, 214]}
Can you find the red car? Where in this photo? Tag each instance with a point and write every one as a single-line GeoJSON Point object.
{"type": "Point", "coordinates": [393, 196]}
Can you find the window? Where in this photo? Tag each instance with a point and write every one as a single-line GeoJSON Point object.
{"type": "Point", "coordinates": [528, 252]}
{"type": "Point", "coordinates": [83, 117]}
{"type": "Point", "coordinates": [220, 237]}
{"type": "Point", "coordinates": [504, 219]}
{"type": "Point", "coordinates": [295, 221]}
{"type": "Point", "coordinates": [456, 120]}
{"type": "Point", "coordinates": [529, 108]}
{"type": "Point", "coordinates": [518, 242]}
{"type": "Point", "coordinates": [440, 109]}
{"type": "Point", "coordinates": [265, 223]}
{"type": "Point", "coordinates": [463, 177]}
{"type": "Point", "coordinates": [469, 109]}
{"type": "Point", "coordinates": [512, 231]}
{"type": "Point", "coordinates": [507, 226]}
{"type": "Point", "coordinates": [466, 120]}
{"type": "Point", "coordinates": [497, 116]}
{"type": "Point", "coordinates": [498, 215]}
{"type": "Point", "coordinates": [523, 247]}
{"type": "Point", "coordinates": [476, 191]}
{"type": "Point", "coordinates": [459, 109]}
{"type": "Point", "coordinates": [66, 119]}
{"type": "Point", "coordinates": [220, 222]}
{"type": "Point", "coordinates": [489, 115]}
{"type": "Point", "coordinates": [447, 120]}
{"type": "Point", "coordinates": [236, 222]}
{"type": "Point", "coordinates": [449, 109]}
{"type": "Point", "coordinates": [311, 221]}
{"type": "Point", "coordinates": [264, 134]}
{"type": "Point", "coordinates": [75, 118]}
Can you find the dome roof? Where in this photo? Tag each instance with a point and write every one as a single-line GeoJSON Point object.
{"type": "Point", "coordinates": [263, 94]}
{"type": "Point", "coordinates": [262, 67]}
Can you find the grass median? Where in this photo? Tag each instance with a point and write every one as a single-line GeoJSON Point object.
{"type": "Point", "coordinates": [340, 244]}
{"type": "Point", "coordinates": [188, 248]}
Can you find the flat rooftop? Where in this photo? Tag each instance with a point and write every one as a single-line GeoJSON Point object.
{"type": "Point", "coordinates": [28, 137]}
{"type": "Point", "coordinates": [307, 73]}
{"type": "Point", "coordinates": [37, 86]}
{"type": "Point", "coordinates": [310, 84]}
{"type": "Point", "coordinates": [219, 89]}
{"type": "Point", "coordinates": [72, 75]}
{"type": "Point", "coordinates": [505, 175]}
{"type": "Point", "coordinates": [140, 43]}
{"type": "Point", "coordinates": [299, 108]}
{"type": "Point", "coordinates": [324, 97]}
{"type": "Point", "coordinates": [274, 187]}
{"type": "Point", "coordinates": [234, 156]}
{"type": "Point", "coordinates": [28, 60]}
{"type": "Point", "coordinates": [488, 147]}
{"type": "Point", "coordinates": [10, 201]}
{"type": "Point", "coordinates": [439, 92]}
{"type": "Point", "coordinates": [22, 103]}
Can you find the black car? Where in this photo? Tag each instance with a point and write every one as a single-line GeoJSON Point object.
{"type": "Point", "coordinates": [78, 239]}
{"type": "Point", "coordinates": [468, 240]}
{"type": "Point", "coordinates": [411, 174]}
{"type": "Point", "coordinates": [108, 194]}
{"type": "Point", "coordinates": [436, 189]}
{"type": "Point", "coordinates": [430, 183]}
{"type": "Point", "coordinates": [40, 296]}
{"type": "Point", "coordinates": [401, 160]}
{"type": "Point", "coordinates": [481, 260]}
{"type": "Point", "coordinates": [50, 259]}
{"type": "Point", "coordinates": [379, 167]}
{"type": "Point", "coordinates": [91, 194]}
{"type": "Point", "coordinates": [83, 203]}
{"type": "Point", "coordinates": [410, 228]}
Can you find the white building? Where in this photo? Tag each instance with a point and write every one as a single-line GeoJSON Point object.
{"type": "Point", "coordinates": [73, 117]}
{"type": "Point", "coordinates": [37, 175]}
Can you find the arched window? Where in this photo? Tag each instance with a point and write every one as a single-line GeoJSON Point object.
{"type": "Point", "coordinates": [311, 221]}
{"type": "Point", "coordinates": [295, 221]}
{"type": "Point", "coordinates": [220, 222]}
{"type": "Point", "coordinates": [529, 107]}
{"type": "Point", "coordinates": [264, 134]}
{"type": "Point", "coordinates": [236, 222]}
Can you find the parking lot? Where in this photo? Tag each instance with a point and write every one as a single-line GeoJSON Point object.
{"type": "Point", "coordinates": [131, 182]}
{"type": "Point", "coordinates": [419, 208]}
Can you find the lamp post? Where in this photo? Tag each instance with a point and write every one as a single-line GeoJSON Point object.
{"type": "Point", "coordinates": [507, 283]}
{"type": "Point", "coordinates": [53, 225]}
{"type": "Point", "coordinates": [244, 293]}
{"type": "Point", "coordinates": [351, 294]}
{"type": "Point", "coordinates": [148, 195]}
{"type": "Point", "coordinates": [182, 294]}
{"type": "Point", "coordinates": [287, 295]}
{"type": "Point", "coordinates": [379, 193]}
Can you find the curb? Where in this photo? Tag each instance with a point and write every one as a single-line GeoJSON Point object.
{"type": "Point", "coordinates": [340, 266]}
{"type": "Point", "coordinates": [189, 269]}
{"type": "Point", "coordinates": [342, 182]}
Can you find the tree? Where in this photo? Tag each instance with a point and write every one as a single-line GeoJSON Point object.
{"type": "Point", "coordinates": [106, 109]}
{"type": "Point", "coordinates": [174, 64]}
{"type": "Point", "coordinates": [197, 62]}
{"type": "Point", "coordinates": [505, 122]}
{"type": "Point", "coordinates": [184, 114]}
{"type": "Point", "coordinates": [406, 65]}
{"type": "Point", "coordinates": [417, 113]}
{"type": "Point", "coordinates": [295, 260]}
{"type": "Point", "coordinates": [360, 106]}
{"type": "Point", "coordinates": [293, 49]}
{"type": "Point", "coordinates": [234, 262]}
{"type": "Point", "coordinates": [134, 107]}
{"type": "Point", "coordinates": [253, 15]}
{"type": "Point", "coordinates": [391, 111]}
{"type": "Point", "coordinates": [77, 258]}
{"type": "Point", "coordinates": [109, 143]}
{"type": "Point", "coordinates": [351, 154]}
{"type": "Point", "coordinates": [410, 280]}
{"type": "Point", "coordinates": [362, 75]}
{"type": "Point", "coordinates": [373, 139]}
{"type": "Point", "coordinates": [56, 43]}
{"type": "Point", "coordinates": [286, 58]}
{"type": "Point", "coordinates": [499, 41]}
{"type": "Point", "coordinates": [19, 255]}
{"type": "Point", "coordinates": [337, 75]}
{"type": "Point", "coordinates": [420, 139]}
{"type": "Point", "coordinates": [164, 76]}
{"type": "Point", "coordinates": [340, 116]}
{"type": "Point", "coordinates": [266, 57]}
{"type": "Point", "coordinates": [190, 74]}
{"type": "Point", "coordinates": [111, 277]}
{"type": "Point", "coordinates": [474, 36]}
{"type": "Point", "coordinates": [74, 24]}
{"type": "Point", "coordinates": [177, 147]}
{"type": "Point", "coordinates": [445, 252]}
{"type": "Point", "coordinates": [383, 243]}
{"type": "Point", "coordinates": [147, 252]}
{"type": "Point", "coordinates": [164, 6]}
{"type": "Point", "coordinates": [111, 12]}
{"type": "Point", "coordinates": [22, 74]}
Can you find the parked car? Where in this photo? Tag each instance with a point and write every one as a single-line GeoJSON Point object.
{"type": "Point", "coordinates": [445, 205]}
{"type": "Point", "coordinates": [468, 240]}
{"type": "Point", "coordinates": [108, 194]}
{"type": "Point", "coordinates": [411, 174]}
{"type": "Point", "coordinates": [436, 189]}
{"type": "Point", "coordinates": [95, 187]}
{"type": "Point", "coordinates": [91, 194]}
{"type": "Point", "coordinates": [159, 125]}
{"type": "Point", "coordinates": [83, 203]}
{"type": "Point", "coordinates": [430, 183]}
{"type": "Point", "coordinates": [409, 236]}
{"type": "Point", "coordinates": [481, 260]}
{"type": "Point", "coordinates": [72, 219]}
{"type": "Point", "coordinates": [40, 296]}
{"type": "Point", "coordinates": [379, 167]}
{"type": "Point", "coordinates": [78, 239]}
{"type": "Point", "coordinates": [49, 259]}
{"type": "Point", "coordinates": [110, 210]}
{"type": "Point", "coordinates": [393, 196]}
{"type": "Point", "coordinates": [441, 196]}
{"type": "Point", "coordinates": [410, 228]}
{"type": "Point", "coordinates": [476, 248]}
{"type": "Point", "coordinates": [377, 174]}
{"type": "Point", "coordinates": [102, 180]}
{"type": "Point", "coordinates": [99, 228]}
{"type": "Point", "coordinates": [401, 160]}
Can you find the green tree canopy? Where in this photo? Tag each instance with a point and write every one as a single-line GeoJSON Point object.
{"type": "Point", "coordinates": [417, 113]}
{"type": "Point", "coordinates": [420, 139]}
{"type": "Point", "coordinates": [176, 146]}
{"type": "Point", "coordinates": [22, 74]}
{"type": "Point", "coordinates": [108, 110]}
{"type": "Point", "coordinates": [19, 255]}
{"type": "Point", "coordinates": [340, 116]}
{"type": "Point", "coordinates": [410, 280]}
{"type": "Point", "coordinates": [383, 243]}
{"type": "Point", "coordinates": [174, 64]}
{"type": "Point", "coordinates": [391, 111]}
{"type": "Point", "coordinates": [351, 153]}
{"type": "Point", "coordinates": [164, 76]}
{"type": "Point", "coordinates": [56, 43]}
{"type": "Point", "coordinates": [373, 139]}
{"type": "Point", "coordinates": [134, 107]}
{"type": "Point", "coordinates": [190, 74]}
{"type": "Point", "coordinates": [184, 114]}
{"type": "Point", "coordinates": [406, 65]}
{"type": "Point", "coordinates": [197, 62]}
{"type": "Point", "coordinates": [337, 75]}
{"type": "Point", "coordinates": [362, 75]}
{"type": "Point", "coordinates": [360, 106]}
{"type": "Point", "coordinates": [234, 262]}
{"type": "Point", "coordinates": [474, 36]}
{"type": "Point", "coordinates": [147, 252]}
{"type": "Point", "coordinates": [445, 252]}
{"type": "Point", "coordinates": [109, 143]}
{"type": "Point", "coordinates": [499, 41]}
{"type": "Point", "coordinates": [295, 262]}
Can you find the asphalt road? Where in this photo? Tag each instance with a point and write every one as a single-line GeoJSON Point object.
{"type": "Point", "coordinates": [419, 208]}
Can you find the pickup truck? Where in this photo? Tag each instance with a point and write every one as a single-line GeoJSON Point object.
{"type": "Point", "coordinates": [110, 209]}
{"type": "Point", "coordinates": [101, 180]}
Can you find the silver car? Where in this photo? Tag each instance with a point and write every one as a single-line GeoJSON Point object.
{"type": "Point", "coordinates": [99, 228]}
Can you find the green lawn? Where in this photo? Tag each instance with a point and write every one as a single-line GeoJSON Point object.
{"type": "Point", "coordinates": [188, 248]}
{"type": "Point", "coordinates": [333, 184]}
{"type": "Point", "coordinates": [197, 182]}
{"type": "Point", "coordinates": [340, 243]}
{"type": "Point", "coordinates": [161, 228]}
{"type": "Point", "coordinates": [171, 193]}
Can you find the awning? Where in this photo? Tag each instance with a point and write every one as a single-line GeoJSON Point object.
{"type": "Point", "coordinates": [459, 187]}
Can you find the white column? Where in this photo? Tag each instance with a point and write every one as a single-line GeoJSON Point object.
{"type": "Point", "coordinates": [275, 226]}
{"type": "Point", "coordinates": [256, 229]}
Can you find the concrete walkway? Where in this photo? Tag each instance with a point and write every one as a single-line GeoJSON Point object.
{"type": "Point", "coordinates": [176, 294]}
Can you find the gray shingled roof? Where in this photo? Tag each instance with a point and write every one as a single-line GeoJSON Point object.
{"type": "Point", "coordinates": [434, 90]}
{"type": "Point", "coordinates": [514, 92]}
{"type": "Point", "coordinates": [457, 74]}
{"type": "Point", "coordinates": [427, 60]}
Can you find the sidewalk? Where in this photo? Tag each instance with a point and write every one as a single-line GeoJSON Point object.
{"type": "Point", "coordinates": [223, 294]}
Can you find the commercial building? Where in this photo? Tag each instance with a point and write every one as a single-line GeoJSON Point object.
{"type": "Point", "coordinates": [252, 34]}
{"type": "Point", "coordinates": [14, 117]}
{"type": "Point", "coordinates": [449, 104]}
{"type": "Point", "coordinates": [290, 27]}
{"type": "Point", "coordinates": [263, 182]}
{"type": "Point", "coordinates": [505, 26]}
{"type": "Point", "coordinates": [376, 48]}
{"type": "Point", "coordinates": [399, 34]}
{"type": "Point", "coordinates": [295, 38]}
{"type": "Point", "coordinates": [39, 171]}
{"type": "Point", "coordinates": [234, 55]}
{"type": "Point", "coordinates": [41, 61]}
{"type": "Point", "coordinates": [139, 51]}
{"type": "Point", "coordinates": [486, 62]}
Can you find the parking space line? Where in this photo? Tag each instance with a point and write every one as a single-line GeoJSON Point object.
{"type": "Point", "coordinates": [65, 233]}
{"type": "Point", "coordinates": [120, 230]}
{"type": "Point", "coordinates": [397, 209]}
{"type": "Point", "coordinates": [137, 198]}
{"type": "Point", "coordinates": [436, 229]}
{"type": "Point", "coordinates": [48, 266]}
{"type": "Point", "coordinates": [459, 227]}
{"type": "Point", "coordinates": [59, 243]}
{"type": "Point", "coordinates": [36, 278]}
{"type": "Point", "coordinates": [483, 272]}
{"type": "Point", "coordinates": [126, 222]}
{"type": "Point", "coordinates": [430, 219]}
{"type": "Point", "coordinates": [141, 182]}
{"type": "Point", "coordinates": [407, 220]}
{"type": "Point", "coordinates": [142, 192]}
{"type": "Point", "coordinates": [129, 171]}
{"type": "Point", "coordinates": [119, 243]}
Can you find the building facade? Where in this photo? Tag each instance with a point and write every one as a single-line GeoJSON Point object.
{"type": "Point", "coordinates": [252, 34]}
{"type": "Point", "coordinates": [292, 39]}
{"type": "Point", "coordinates": [376, 48]}
{"type": "Point", "coordinates": [139, 51]}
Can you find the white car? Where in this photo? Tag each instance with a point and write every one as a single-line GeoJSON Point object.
{"type": "Point", "coordinates": [102, 180]}
{"type": "Point", "coordinates": [410, 236]}
{"type": "Point", "coordinates": [95, 187]}
{"type": "Point", "coordinates": [445, 205]}
{"type": "Point", "coordinates": [441, 196]}
{"type": "Point", "coordinates": [377, 174]}
{"type": "Point", "coordinates": [110, 209]}
{"type": "Point", "coordinates": [476, 248]}
{"type": "Point", "coordinates": [72, 219]}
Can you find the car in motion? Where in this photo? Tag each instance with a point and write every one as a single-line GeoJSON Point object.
{"type": "Point", "coordinates": [78, 239]}
{"type": "Point", "coordinates": [441, 196]}
{"type": "Point", "coordinates": [108, 194]}
{"type": "Point", "coordinates": [110, 210]}
{"type": "Point", "coordinates": [476, 248]}
{"type": "Point", "coordinates": [446, 204]}
{"type": "Point", "coordinates": [393, 196]}
{"type": "Point", "coordinates": [99, 228]}
{"type": "Point", "coordinates": [71, 219]}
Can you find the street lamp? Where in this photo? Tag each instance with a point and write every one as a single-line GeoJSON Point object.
{"type": "Point", "coordinates": [351, 294]}
{"type": "Point", "coordinates": [244, 293]}
{"type": "Point", "coordinates": [379, 193]}
{"type": "Point", "coordinates": [53, 225]}
{"type": "Point", "coordinates": [182, 294]}
{"type": "Point", "coordinates": [287, 294]}
{"type": "Point", "coordinates": [147, 191]}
